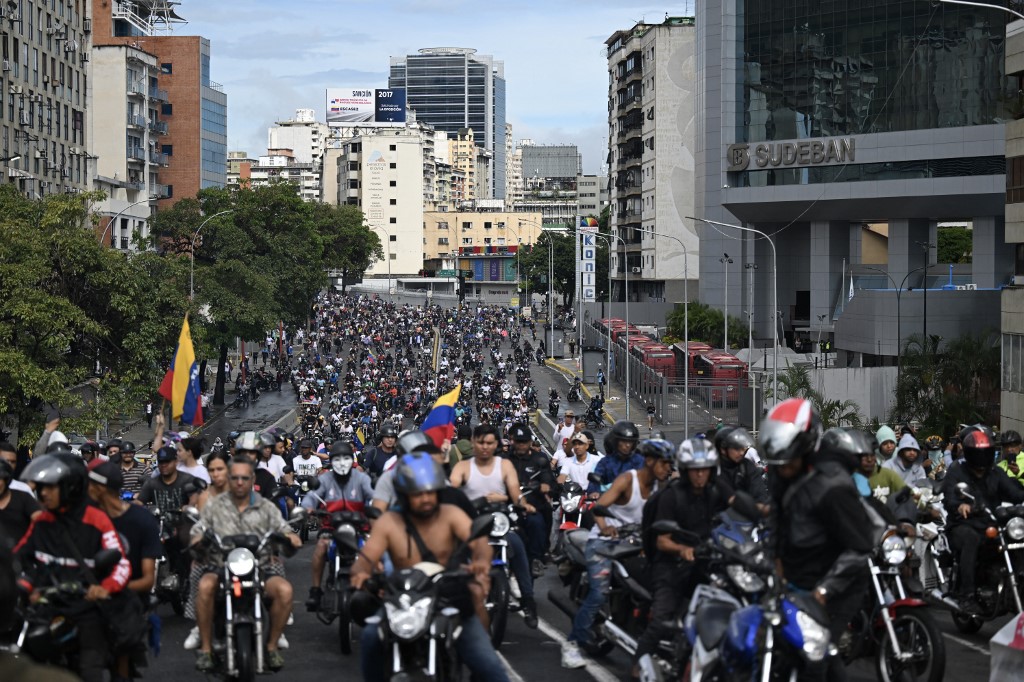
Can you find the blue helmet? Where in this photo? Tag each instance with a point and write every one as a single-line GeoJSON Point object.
{"type": "Point", "coordinates": [418, 473]}
{"type": "Point", "coordinates": [659, 448]}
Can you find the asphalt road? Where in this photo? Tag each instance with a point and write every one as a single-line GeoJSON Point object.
{"type": "Point", "coordinates": [529, 654]}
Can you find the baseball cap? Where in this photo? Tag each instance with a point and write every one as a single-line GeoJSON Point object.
{"type": "Point", "coordinates": [305, 443]}
{"type": "Point", "coordinates": [520, 433]}
{"type": "Point", "coordinates": [107, 474]}
{"type": "Point", "coordinates": [166, 454]}
{"type": "Point", "coordinates": [580, 438]}
{"type": "Point", "coordinates": [570, 413]}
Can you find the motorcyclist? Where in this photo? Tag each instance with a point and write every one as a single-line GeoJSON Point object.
{"type": "Point", "coordinates": [907, 462]}
{"type": "Point", "coordinates": [47, 555]}
{"type": "Point", "coordinates": [239, 512]}
{"type": "Point", "coordinates": [426, 530]}
{"type": "Point", "coordinates": [824, 531]}
{"type": "Point", "coordinates": [620, 456]}
{"type": "Point", "coordinates": [373, 458]}
{"type": "Point", "coordinates": [533, 466]}
{"type": "Point", "coordinates": [736, 469]}
{"type": "Point", "coordinates": [625, 500]}
{"type": "Point", "coordinates": [343, 488]}
{"type": "Point", "coordinates": [692, 501]}
{"type": "Point", "coordinates": [1010, 459]}
{"type": "Point", "coordinates": [250, 446]}
{"type": "Point", "coordinates": [966, 522]}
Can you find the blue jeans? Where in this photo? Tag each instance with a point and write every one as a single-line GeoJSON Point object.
{"type": "Point", "coordinates": [536, 530]}
{"type": "Point", "coordinates": [473, 645]}
{"type": "Point", "coordinates": [599, 578]}
{"type": "Point", "coordinates": [519, 564]}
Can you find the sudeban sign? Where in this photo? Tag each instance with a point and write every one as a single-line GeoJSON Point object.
{"type": "Point", "coordinates": [782, 154]}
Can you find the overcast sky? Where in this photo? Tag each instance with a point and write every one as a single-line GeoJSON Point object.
{"type": "Point", "coordinates": [274, 57]}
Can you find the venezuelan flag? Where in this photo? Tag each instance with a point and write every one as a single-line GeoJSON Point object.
{"type": "Point", "coordinates": [181, 383]}
{"type": "Point", "coordinates": [359, 437]}
{"type": "Point", "coordinates": [440, 423]}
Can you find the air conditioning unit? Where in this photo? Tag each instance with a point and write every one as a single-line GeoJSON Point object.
{"type": "Point", "coordinates": [46, 80]}
{"type": "Point", "coordinates": [85, 57]}
{"type": "Point", "coordinates": [52, 30]}
{"type": "Point", "coordinates": [17, 90]}
{"type": "Point", "coordinates": [635, 271]}
{"type": "Point", "coordinates": [24, 119]}
{"type": "Point", "coordinates": [37, 99]}
{"type": "Point", "coordinates": [87, 26]}
{"type": "Point", "coordinates": [40, 153]}
{"type": "Point", "coordinates": [7, 65]}
{"type": "Point", "coordinates": [65, 173]}
{"type": "Point", "coordinates": [75, 151]}
{"type": "Point", "coordinates": [13, 17]}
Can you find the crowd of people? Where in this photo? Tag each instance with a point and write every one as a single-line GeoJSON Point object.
{"type": "Point", "coordinates": [365, 375]}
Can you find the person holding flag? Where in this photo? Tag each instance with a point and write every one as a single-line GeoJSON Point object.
{"type": "Point", "coordinates": [181, 383]}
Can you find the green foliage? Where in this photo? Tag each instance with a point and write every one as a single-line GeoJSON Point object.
{"type": "Point", "coordinates": [534, 265]}
{"type": "Point", "coordinates": [954, 245]}
{"type": "Point", "coordinates": [943, 386]}
{"type": "Point", "coordinates": [707, 324]}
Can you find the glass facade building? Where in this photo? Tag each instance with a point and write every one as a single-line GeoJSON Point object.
{"type": "Point", "coordinates": [455, 88]}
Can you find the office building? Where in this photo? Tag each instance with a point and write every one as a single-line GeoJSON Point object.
{"type": "Point", "coordinates": [591, 195]}
{"type": "Point", "coordinates": [1012, 300]}
{"type": "Point", "coordinates": [819, 119]}
{"type": "Point", "coordinates": [549, 173]}
{"type": "Point", "coordinates": [196, 107]}
{"type": "Point", "coordinates": [453, 89]}
{"type": "Point", "coordinates": [43, 80]}
{"type": "Point", "coordinates": [652, 142]}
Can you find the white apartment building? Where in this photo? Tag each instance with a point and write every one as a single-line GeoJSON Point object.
{"type": "Point", "coordinates": [304, 135]}
{"type": "Point", "coordinates": [282, 164]}
{"type": "Point", "coordinates": [652, 146]}
{"type": "Point", "coordinates": [125, 134]}
{"type": "Point", "coordinates": [591, 195]}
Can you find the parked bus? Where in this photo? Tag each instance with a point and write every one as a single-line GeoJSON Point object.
{"type": "Point", "coordinates": [658, 357]}
{"type": "Point", "coordinates": [686, 353]}
{"type": "Point", "coordinates": [724, 372]}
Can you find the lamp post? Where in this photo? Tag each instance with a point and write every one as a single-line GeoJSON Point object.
{"type": "Point", "coordinates": [118, 215]}
{"type": "Point", "coordinates": [750, 267]}
{"type": "Point", "coordinates": [775, 297]}
{"type": "Point", "coordinates": [686, 325]}
{"type": "Point", "coordinates": [726, 261]}
{"type": "Point", "coordinates": [924, 286]}
{"type": "Point", "coordinates": [899, 312]}
{"type": "Point", "coordinates": [609, 236]}
{"type": "Point", "coordinates": [192, 252]}
{"type": "Point", "coordinates": [608, 329]}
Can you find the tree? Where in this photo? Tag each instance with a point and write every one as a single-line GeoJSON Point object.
{"type": "Point", "coordinates": [707, 324]}
{"type": "Point", "coordinates": [955, 244]}
{"type": "Point", "coordinates": [349, 245]}
{"type": "Point", "coordinates": [536, 263]}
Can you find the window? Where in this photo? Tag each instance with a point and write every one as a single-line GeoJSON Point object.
{"type": "Point", "coordinates": [393, 202]}
{"type": "Point", "coordinates": [393, 147]}
{"type": "Point", "coordinates": [487, 225]}
{"type": "Point", "coordinates": [353, 165]}
{"type": "Point", "coordinates": [393, 183]}
{"type": "Point", "coordinates": [1013, 379]}
{"type": "Point", "coordinates": [442, 226]}
{"type": "Point", "coordinates": [167, 67]}
{"type": "Point", "coordinates": [394, 256]}
{"type": "Point", "coordinates": [393, 238]}
{"type": "Point", "coordinates": [468, 241]}
{"type": "Point", "coordinates": [392, 165]}
{"type": "Point", "coordinates": [166, 109]}
{"type": "Point", "coordinates": [169, 194]}
{"type": "Point", "coordinates": [443, 241]}
{"type": "Point", "coordinates": [392, 221]}
{"type": "Point", "coordinates": [467, 225]}
{"type": "Point", "coordinates": [487, 240]}
{"type": "Point", "coordinates": [167, 149]}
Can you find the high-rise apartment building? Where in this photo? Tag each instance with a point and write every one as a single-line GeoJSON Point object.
{"type": "Point", "coordinates": [453, 89]}
{"type": "Point", "coordinates": [195, 110]}
{"type": "Point", "coordinates": [549, 174]}
{"type": "Point", "coordinates": [652, 144]}
{"type": "Point", "coordinates": [591, 195]}
{"type": "Point", "coordinates": [304, 135]}
{"type": "Point", "coordinates": [43, 82]}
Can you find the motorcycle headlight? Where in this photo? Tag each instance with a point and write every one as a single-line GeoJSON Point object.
{"type": "Point", "coordinates": [408, 620]}
{"type": "Point", "coordinates": [815, 637]}
{"type": "Point", "coordinates": [744, 579]}
{"type": "Point", "coordinates": [1015, 529]}
{"type": "Point", "coordinates": [570, 504]}
{"type": "Point", "coordinates": [501, 525]}
{"type": "Point", "coordinates": [241, 561]}
{"type": "Point", "coordinates": [894, 550]}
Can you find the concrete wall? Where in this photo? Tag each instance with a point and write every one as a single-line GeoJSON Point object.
{"type": "Point", "coordinates": [872, 388]}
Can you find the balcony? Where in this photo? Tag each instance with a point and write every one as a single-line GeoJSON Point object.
{"type": "Point", "coordinates": [136, 121]}
{"type": "Point", "coordinates": [630, 103]}
{"type": "Point", "coordinates": [136, 154]}
{"type": "Point", "coordinates": [157, 158]}
{"type": "Point", "coordinates": [158, 127]}
{"type": "Point", "coordinates": [158, 94]}
{"type": "Point", "coordinates": [136, 89]}
{"type": "Point", "coordinates": [160, 191]}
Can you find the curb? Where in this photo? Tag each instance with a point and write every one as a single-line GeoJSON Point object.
{"type": "Point", "coordinates": [572, 375]}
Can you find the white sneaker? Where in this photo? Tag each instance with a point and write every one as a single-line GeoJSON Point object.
{"type": "Point", "coordinates": [291, 619]}
{"type": "Point", "coordinates": [282, 642]}
{"type": "Point", "coordinates": [192, 641]}
{"type": "Point", "coordinates": [571, 656]}
{"type": "Point", "coordinates": [514, 587]}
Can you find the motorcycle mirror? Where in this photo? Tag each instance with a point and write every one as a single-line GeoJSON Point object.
{"type": "Point", "coordinates": [298, 514]}
{"type": "Point", "coordinates": [961, 490]}
{"type": "Point", "coordinates": [191, 513]}
{"type": "Point", "coordinates": [105, 561]}
{"type": "Point", "coordinates": [372, 513]}
{"type": "Point", "coordinates": [481, 526]}
{"type": "Point", "coordinates": [745, 506]}
{"type": "Point", "coordinates": [595, 478]}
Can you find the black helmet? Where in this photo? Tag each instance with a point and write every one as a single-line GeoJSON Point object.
{"type": "Point", "coordinates": [848, 445]}
{"type": "Point", "coordinates": [621, 430]}
{"type": "Point", "coordinates": [128, 446]}
{"type": "Point", "coordinates": [719, 436]}
{"type": "Point", "coordinates": [738, 438]}
{"type": "Point", "coordinates": [979, 447]}
{"type": "Point", "coordinates": [67, 472]}
{"type": "Point", "coordinates": [341, 449]}
{"type": "Point", "coordinates": [418, 473]}
{"type": "Point", "coordinates": [791, 430]}
{"type": "Point", "coordinates": [415, 441]}
{"type": "Point", "coordinates": [1010, 438]}
{"type": "Point", "coordinates": [388, 431]}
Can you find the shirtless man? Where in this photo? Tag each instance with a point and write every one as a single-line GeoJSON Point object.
{"type": "Point", "coordinates": [439, 529]}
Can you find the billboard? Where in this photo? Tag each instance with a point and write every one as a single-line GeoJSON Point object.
{"type": "Point", "coordinates": [366, 106]}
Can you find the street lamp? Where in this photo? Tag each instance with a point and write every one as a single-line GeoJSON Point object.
{"type": "Point", "coordinates": [686, 326]}
{"type": "Point", "coordinates": [726, 261]}
{"type": "Point", "coordinates": [981, 4]}
{"type": "Point", "coordinates": [775, 297]}
{"type": "Point", "coordinates": [609, 236]}
{"type": "Point", "coordinates": [192, 253]}
{"type": "Point", "coordinates": [899, 312]}
{"type": "Point", "coordinates": [750, 267]}
{"type": "Point", "coordinates": [118, 215]}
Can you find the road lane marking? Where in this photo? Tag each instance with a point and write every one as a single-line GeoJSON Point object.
{"type": "Point", "coordinates": [968, 644]}
{"type": "Point", "coordinates": [596, 670]}
{"type": "Point", "coordinates": [512, 674]}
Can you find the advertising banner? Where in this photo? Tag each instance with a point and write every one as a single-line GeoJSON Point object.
{"type": "Point", "coordinates": [587, 246]}
{"type": "Point", "coordinates": [366, 106]}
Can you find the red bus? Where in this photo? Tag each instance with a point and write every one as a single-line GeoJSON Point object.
{"type": "Point", "coordinates": [658, 357]}
{"type": "Point", "coordinates": [686, 353]}
{"type": "Point", "coordinates": [725, 372]}
{"type": "Point", "coordinates": [619, 330]}
{"type": "Point", "coordinates": [634, 339]}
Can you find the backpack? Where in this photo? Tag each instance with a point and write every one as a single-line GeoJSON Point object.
{"type": "Point", "coordinates": [648, 537]}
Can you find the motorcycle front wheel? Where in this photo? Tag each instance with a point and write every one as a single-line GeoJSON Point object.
{"type": "Point", "coordinates": [497, 606]}
{"type": "Point", "coordinates": [919, 636]}
{"type": "Point", "coordinates": [345, 626]}
{"type": "Point", "coordinates": [245, 656]}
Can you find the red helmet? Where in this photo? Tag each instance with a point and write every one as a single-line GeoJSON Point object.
{"type": "Point", "coordinates": [979, 446]}
{"type": "Point", "coordinates": [791, 430]}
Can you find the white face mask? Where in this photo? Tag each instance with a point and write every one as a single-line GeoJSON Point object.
{"type": "Point", "coordinates": [341, 465]}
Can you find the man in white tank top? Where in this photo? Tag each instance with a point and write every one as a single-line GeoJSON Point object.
{"type": "Point", "coordinates": [494, 478]}
{"type": "Point", "coordinates": [625, 499]}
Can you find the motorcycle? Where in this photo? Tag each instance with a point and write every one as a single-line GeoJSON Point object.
{"type": "Point", "coordinates": [423, 609]}
{"type": "Point", "coordinates": [999, 563]}
{"type": "Point", "coordinates": [575, 392]}
{"type": "Point", "coordinates": [171, 585]}
{"type": "Point", "coordinates": [592, 419]}
{"type": "Point", "coordinates": [896, 629]}
{"type": "Point", "coordinates": [553, 404]}
{"type": "Point", "coordinates": [239, 615]}
{"type": "Point", "coordinates": [502, 596]}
